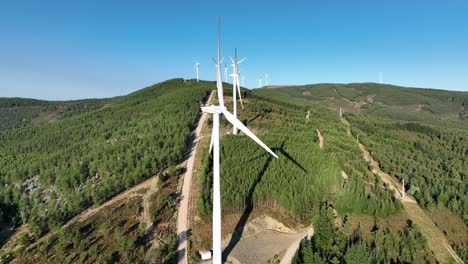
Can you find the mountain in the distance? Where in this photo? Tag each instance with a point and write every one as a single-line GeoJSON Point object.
{"type": "Point", "coordinates": [402, 103]}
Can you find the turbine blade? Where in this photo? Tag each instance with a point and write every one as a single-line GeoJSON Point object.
{"type": "Point", "coordinates": [239, 62]}
{"type": "Point", "coordinates": [240, 97]}
{"type": "Point", "coordinates": [219, 82]}
{"type": "Point", "coordinates": [211, 140]}
{"type": "Point", "coordinates": [232, 60]}
{"type": "Point", "coordinates": [233, 120]}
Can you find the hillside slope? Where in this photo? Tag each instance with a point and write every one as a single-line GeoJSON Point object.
{"type": "Point", "coordinates": [18, 112]}
{"type": "Point", "coordinates": [417, 135]}
{"type": "Point", "coordinates": [53, 171]}
{"type": "Point", "coordinates": [399, 103]}
{"type": "Point", "coordinates": [294, 189]}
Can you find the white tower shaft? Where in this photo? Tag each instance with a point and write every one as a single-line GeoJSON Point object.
{"type": "Point", "coordinates": [217, 249]}
{"type": "Point", "coordinates": [266, 79]}
{"type": "Point", "coordinates": [235, 81]}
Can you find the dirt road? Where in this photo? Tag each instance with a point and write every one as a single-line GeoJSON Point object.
{"type": "Point", "coordinates": [320, 138]}
{"type": "Point", "coordinates": [291, 251]}
{"type": "Point", "coordinates": [182, 214]}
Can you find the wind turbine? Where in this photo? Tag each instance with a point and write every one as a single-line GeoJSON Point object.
{"type": "Point", "coordinates": [225, 72]}
{"type": "Point", "coordinates": [197, 66]}
{"type": "Point", "coordinates": [216, 111]}
{"type": "Point", "coordinates": [266, 79]}
{"type": "Point", "coordinates": [260, 82]}
{"type": "Point", "coordinates": [381, 77]}
{"type": "Point", "coordinates": [235, 86]}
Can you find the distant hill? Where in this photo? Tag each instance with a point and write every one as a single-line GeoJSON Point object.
{"type": "Point", "coordinates": [401, 103]}
{"type": "Point", "coordinates": [17, 112]}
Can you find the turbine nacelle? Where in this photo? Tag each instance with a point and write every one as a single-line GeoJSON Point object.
{"type": "Point", "coordinates": [213, 109]}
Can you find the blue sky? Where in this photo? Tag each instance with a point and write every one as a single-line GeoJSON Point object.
{"type": "Point", "coordinates": [82, 49]}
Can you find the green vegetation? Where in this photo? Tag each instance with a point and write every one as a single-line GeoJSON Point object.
{"type": "Point", "coordinates": [354, 198]}
{"type": "Point", "coordinates": [17, 112]}
{"type": "Point", "coordinates": [52, 172]}
{"type": "Point", "coordinates": [446, 108]}
{"type": "Point", "coordinates": [332, 245]}
{"type": "Point", "coordinates": [433, 161]}
{"type": "Point", "coordinates": [117, 233]}
{"type": "Point", "coordinates": [419, 135]}
{"type": "Point", "coordinates": [303, 176]}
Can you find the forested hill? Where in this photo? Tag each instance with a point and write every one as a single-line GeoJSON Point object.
{"type": "Point", "coordinates": [416, 135]}
{"type": "Point", "coordinates": [390, 101]}
{"type": "Point", "coordinates": [51, 172]}
{"type": "Point", "coordinates": [18, 112]}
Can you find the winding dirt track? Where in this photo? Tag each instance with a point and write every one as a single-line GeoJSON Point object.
{"type": "Point", "coordinates": [150, 185]}
{"type": "Point", "coordinates": [291, 251]}
{"type": "Point", "coordinates": [182, 214]}
{"type": "Point", "coordinates": [320, 138]}
{"type": "Point", "coordinates": [436, 240]}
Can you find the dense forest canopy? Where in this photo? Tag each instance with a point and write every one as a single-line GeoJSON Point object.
{"type": "Point", "coordinates": [432, 160]}
{"type": "Point", "coordinates": [428, 149]}
{"type": "Point", "coordinates": [52, 172]}
{"type": "Point", "coordinates": [332, 244]}
{"type": "Point", "coordinates": [304, 175]}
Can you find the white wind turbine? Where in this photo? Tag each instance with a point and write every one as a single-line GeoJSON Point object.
{"type": "Point", "coordinates": [217, 110]}
{"type": "Point", "coordinates": [197, 66]}
{"type": "Point", "coordinates": [225, 72]}
{"type": "Point", "coordinates": [266, 79]}
{"type": "Point", "coordinates": [260, 82]}
{"type": "Point", "coordinates": [235, 87]}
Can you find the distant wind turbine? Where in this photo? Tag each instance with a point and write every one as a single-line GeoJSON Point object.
{"type": "Point", "coordinates": [381, 78]}
{"type": "Point", "coordinates": [266, 79]}
{"type": "Point", "coordinates": [260, 82]}
{"type": "Point", "coordinates": [235, 87]}
{"type": "Point", "coordinates": [197, 66]}
{"type": "Point", "coordinates": [225, 72]}
{"type": "Point", "coordinates": [217, 110]}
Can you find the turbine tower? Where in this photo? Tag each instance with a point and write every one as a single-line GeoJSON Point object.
{"type": "Point", "coordinates": [260, 82]}
{"type": "Point", "coordinates": [235, 86]}
{"type": "Point", "coordinates": [218, 110]}
{"type": "Point", "coordinates": [266, 79]}
{"type": "Point", "coordinates": [243, 81]}
{"type": "Point", "coordinates": [197, 66]}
